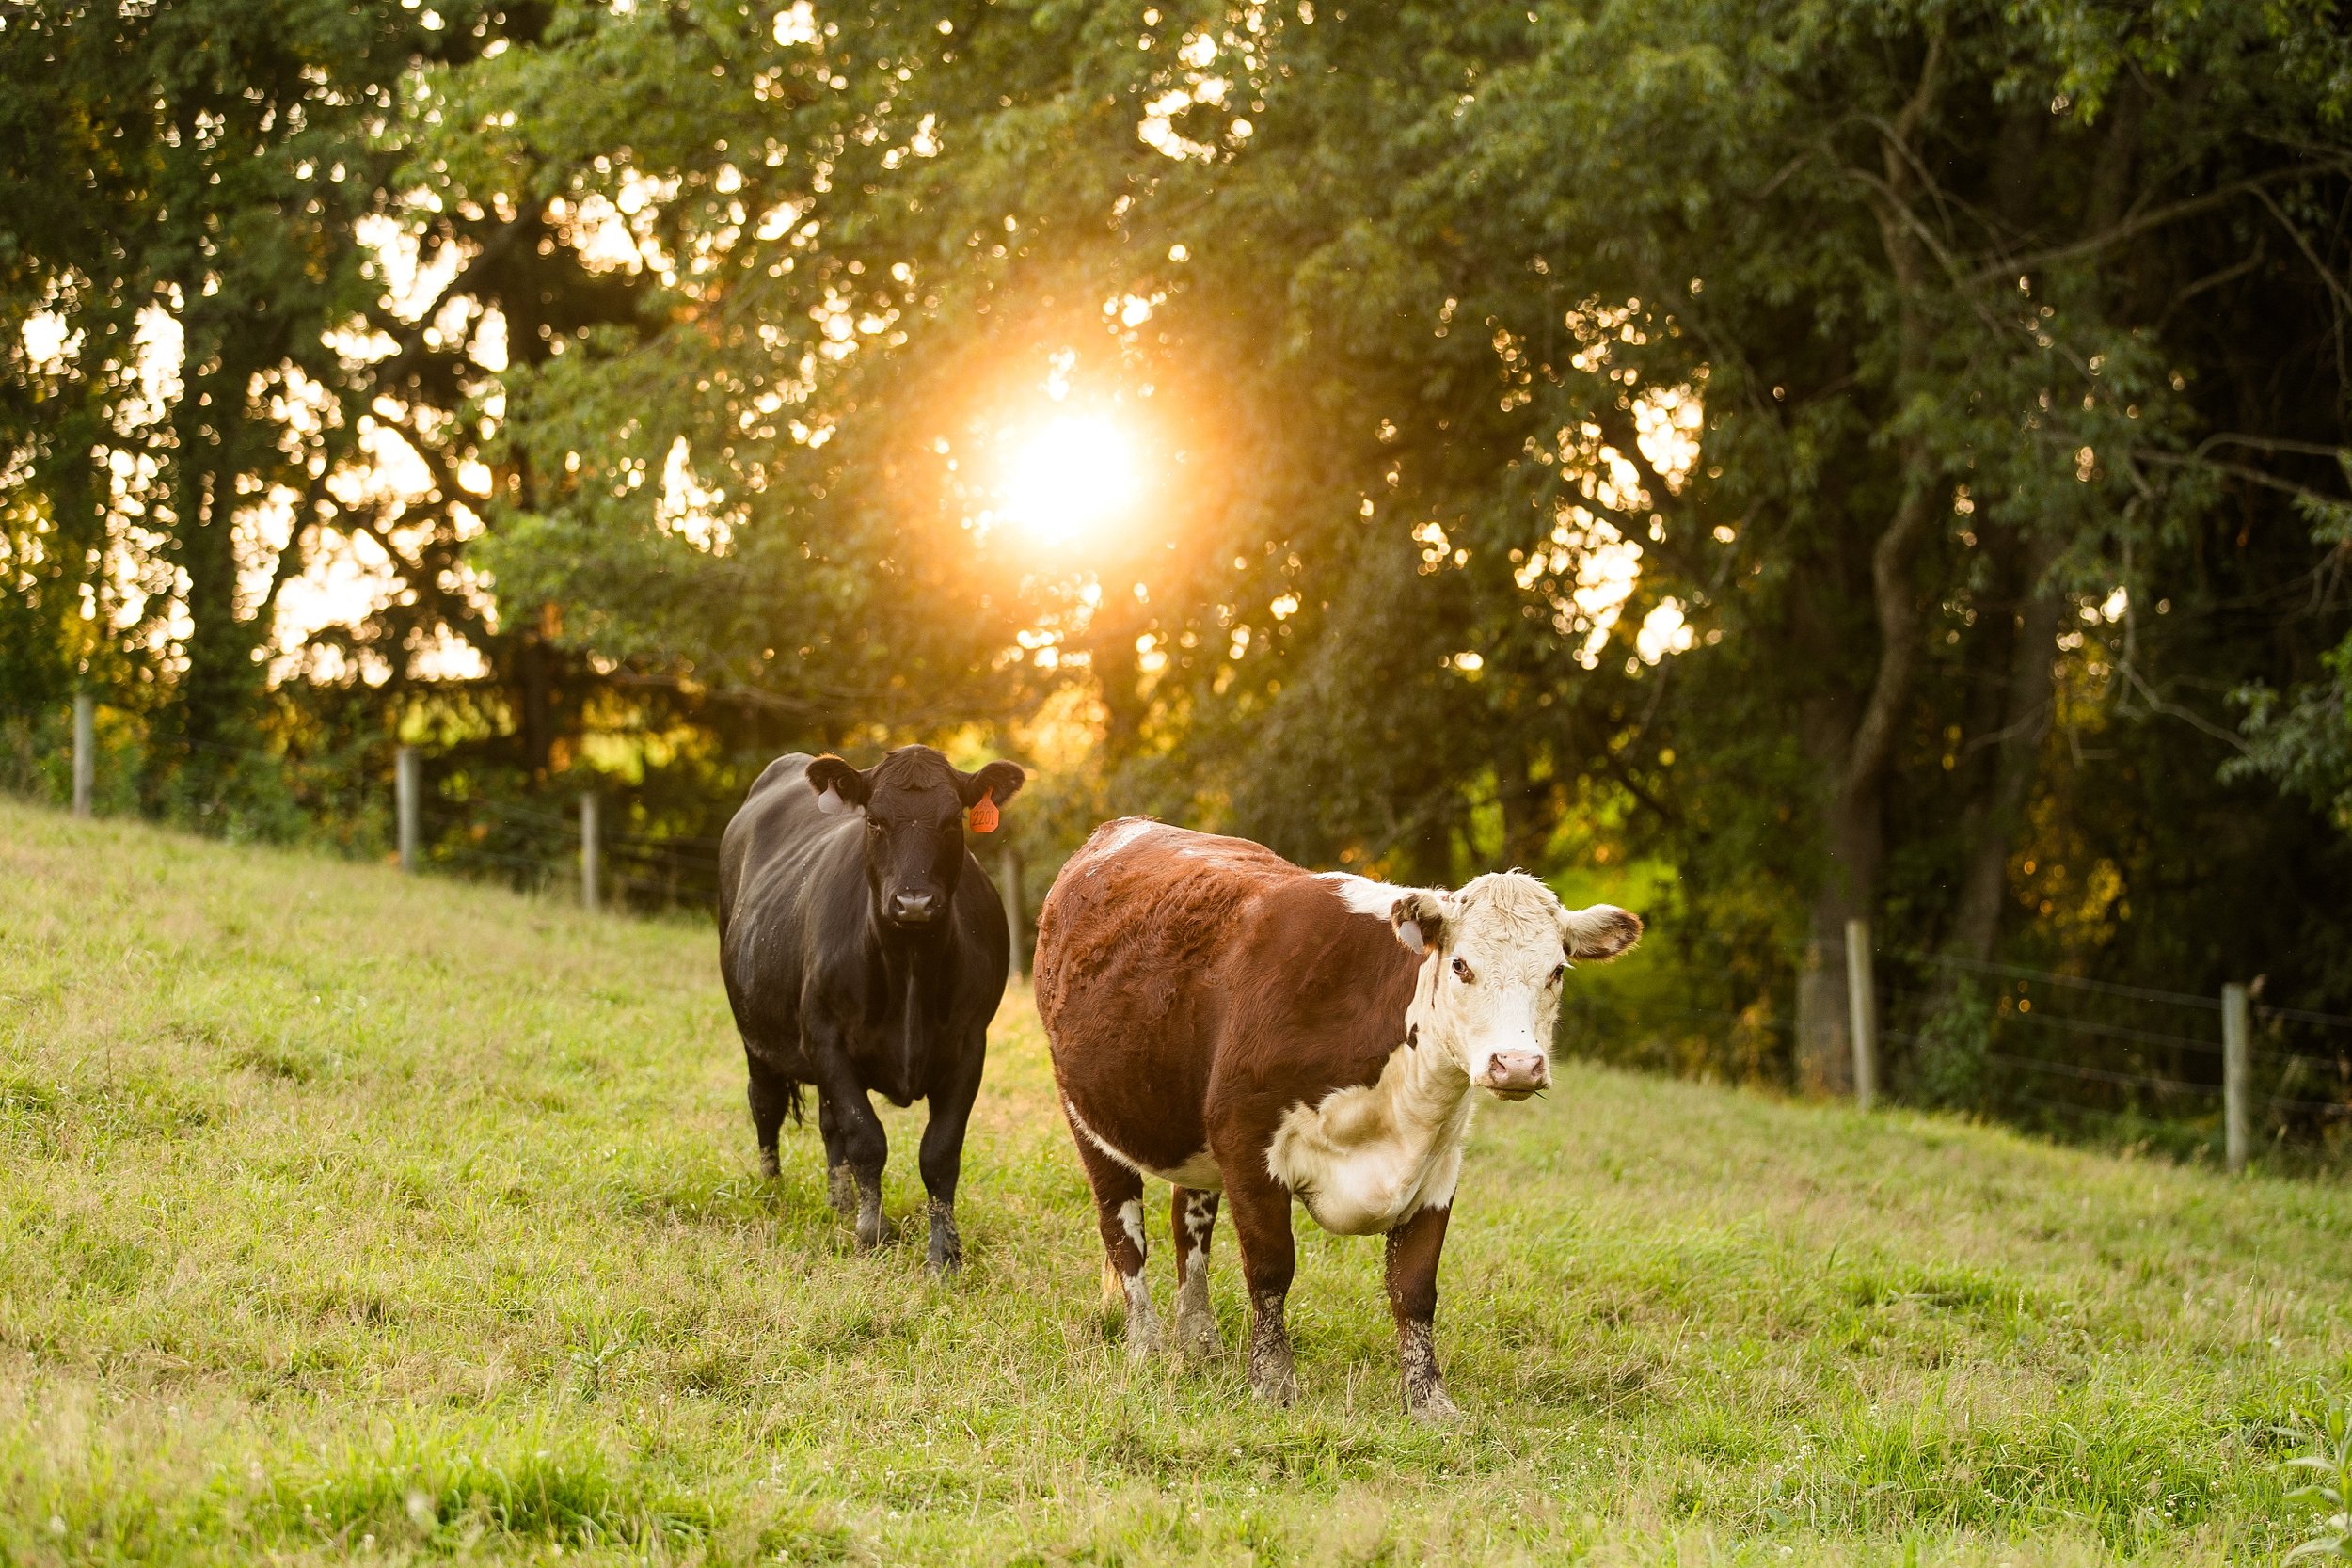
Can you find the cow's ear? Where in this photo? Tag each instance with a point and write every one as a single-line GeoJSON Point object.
{"type": "Point", "coordinates": [839, 786]}
{"type": "Point", "coordinates": [1001, 781]}
{"type": "Point", "coordinates": [1420, 921]}
{"type": "Point", "coordinates": [1601, 932]}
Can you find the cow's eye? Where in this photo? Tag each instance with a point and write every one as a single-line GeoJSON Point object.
{"type": "Point", "coordinates": [1557, 972]}
{"type": "Point", "coordinates": [1462, 972]}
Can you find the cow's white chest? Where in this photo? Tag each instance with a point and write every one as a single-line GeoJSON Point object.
{"type": "Point", "coordinates": [1365, 1160]}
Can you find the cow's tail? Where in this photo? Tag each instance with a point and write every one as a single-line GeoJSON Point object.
{"type": "Point", "coordinates": [795, 1105]}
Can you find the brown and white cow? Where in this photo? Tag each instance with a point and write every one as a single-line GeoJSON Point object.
{"type": "Point", "coordinates": [1235, 1025]}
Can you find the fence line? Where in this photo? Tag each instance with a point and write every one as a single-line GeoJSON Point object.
{"type": "Point", "coordinates": [2186, 999]}
{"type": "Point", "coordinates": [2100, 1075]}
{"type": "Point", "coordinates": [2070, 1070]}
{"type": "Point", "coordinates": [2300, 1015]}
{"type": "Point", "coordinates": [2013, 972]}
{"type": "Point", "coordinates": [2185, 1043]}
{"type": "Point", "coordinates": [683, 869]}
{"type": "Point", "coordinates": [2145, 1050]}
{"type": "Point", "coordinates": [536, 844]}
{"type": "Point", "coordinates": [434, 829]}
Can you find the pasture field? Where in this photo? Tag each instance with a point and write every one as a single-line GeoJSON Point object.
{"type": "Point", "coordinates": [350, 1217]}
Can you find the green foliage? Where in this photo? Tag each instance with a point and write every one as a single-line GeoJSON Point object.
{"type": "Point", "coordinates": [2328, 1492]}
{"type": "Point", "coordinates": [1949, 1066]}
{"type": "Point", "coordinates": [2304, 740]}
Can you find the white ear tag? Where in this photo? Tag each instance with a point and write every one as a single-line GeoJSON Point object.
{"type": "Point", "coordinates": [1408, 932]}
{"type": "Point", "coordinates": [830, 802]}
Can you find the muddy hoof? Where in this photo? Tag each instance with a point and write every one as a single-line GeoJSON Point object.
{"type": "Point", "coordinates": [1278, 1389]}
{"type": "Point", "coordinates": [1435, 1406]}
{"type": "Point", "coordinates": [945, 1255]}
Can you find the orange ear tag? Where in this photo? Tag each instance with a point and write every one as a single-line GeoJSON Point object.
{"type": "Point", "coordinates": [984, 814]}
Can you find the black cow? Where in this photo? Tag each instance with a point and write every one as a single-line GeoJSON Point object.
{"type": "Point", "coordinates": [865, 950]}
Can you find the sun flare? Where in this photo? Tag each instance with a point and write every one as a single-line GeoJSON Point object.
{"type": "Point", "coordinates": [1071, 478]}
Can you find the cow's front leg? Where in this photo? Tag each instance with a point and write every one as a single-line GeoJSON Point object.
{"type": "Point", "coordinates": [1261, 1226]}
{"type": "Point", "coordinates": [840, 1188]}
{"type": "Point", "coordinates": [858, 1143]}
{"type": "Point", "coordinates": [943, 1154]}
{"type": "Point", "coordinates": [1413, 1251]}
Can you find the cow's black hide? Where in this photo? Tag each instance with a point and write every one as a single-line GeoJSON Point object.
{"type": "Point", "coordinates": [865, 950]}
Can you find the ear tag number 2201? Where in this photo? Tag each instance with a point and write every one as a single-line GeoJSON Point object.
{"type": "Point", "coordinates": [984, 814]}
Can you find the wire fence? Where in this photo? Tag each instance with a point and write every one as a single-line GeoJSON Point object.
{"type": "Point", "coordinates": [2065, 1053]}
{"type": "Point", "coordinates": [2032, 1045]}
{"type": "Point", "coordinates": [540, 841]}
{"type": "Point", "coordinates": [2047, 1047]}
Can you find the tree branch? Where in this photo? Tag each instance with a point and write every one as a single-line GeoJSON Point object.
{"type": "Point", "coordinates": [2335, 287]}
{"type": "Point", "coordinates": [2139, 222]}
{"type": "Point", "coordinates": [2245, 471]}
{"type": "Point", "coordinates": [1898, 624]}
{"type": "Point", "coordinates": [2173, 710]}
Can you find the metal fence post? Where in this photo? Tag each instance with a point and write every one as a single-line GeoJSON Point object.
{"type": "Point", "coordinates": [591, 851]}
{"type": "Point", "coordinates": [2236, 1128]}
{"type": "Point", "coordinates": [84, 751]}
{"type": "Point", "coordinates": [1863, 1012]}
{"type": "Point", "coordinates": [407, 806]}
{"type": "Point", "coordinates": [1016, 920]}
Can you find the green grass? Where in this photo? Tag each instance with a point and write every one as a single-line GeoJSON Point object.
{"type": "Point", "coordinates": [347, 1216]}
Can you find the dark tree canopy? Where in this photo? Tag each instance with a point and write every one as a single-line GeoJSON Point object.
{"type": "Point", "coordinates": [1793, 462]}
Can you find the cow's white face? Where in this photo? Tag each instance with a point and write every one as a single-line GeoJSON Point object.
{"type": "Point", "coordinates": [1500, 950]}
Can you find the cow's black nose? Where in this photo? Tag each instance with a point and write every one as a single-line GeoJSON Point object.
{"type": "Point", "coordinates": [913, 909]}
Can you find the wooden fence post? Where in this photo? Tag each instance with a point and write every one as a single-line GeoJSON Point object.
{"type": "Point", "coordinates": [591, 851]}
{"type": "Point", "coordinates": [408, 807]}
{"type": "Point", "coordinates": [1863, 1013]}
{"type": "Point", "coordinates": [84, 751]}
{"type": "Point", "coordinates": [1016, 919]}
{"type": "Point", "coordinates": [2236, 1126]}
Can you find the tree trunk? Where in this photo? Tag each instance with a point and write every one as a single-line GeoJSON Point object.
{"type": "Point", "coordinates": [1990, 829]}
{"type": "Point", "coordinates": [1525, 801]}
{"type": "Point", "coordinates": [217, 681]}
{"type": "Point", "coordinates": [1430, 848]}
{"type": "Point", "coordinates": [1854, 760]}
{"type": "Point", "coordinates": [2024, 722]}
{"type": "Point", "coordinates": [1851, 829]}
{"type": "Point", "coordinates": [1853, 839]}
{"type": "Point", "coordinates": [535, 685]}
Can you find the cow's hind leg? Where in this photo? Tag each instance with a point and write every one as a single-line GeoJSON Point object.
{"type": "Point", "coordinates": [772, 1097]}
{"type": "Point", "coordinates": [1118, 1212]}
{"type": "Point", "coordinates": [1192, 1217]}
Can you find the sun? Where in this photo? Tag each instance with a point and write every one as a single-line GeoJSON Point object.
{"type": "Point", "coordinates": [1071, 478]}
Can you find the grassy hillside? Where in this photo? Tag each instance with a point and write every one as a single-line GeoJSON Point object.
{"type": "Point", "coordinates": [348, 1216]}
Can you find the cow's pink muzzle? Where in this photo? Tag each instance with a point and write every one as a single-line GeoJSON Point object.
{"type": "Point", "coordinates": [1517, 1074]}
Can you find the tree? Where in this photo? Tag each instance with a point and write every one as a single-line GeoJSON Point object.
{"type": "Point", "coordinates": [209, 209]}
